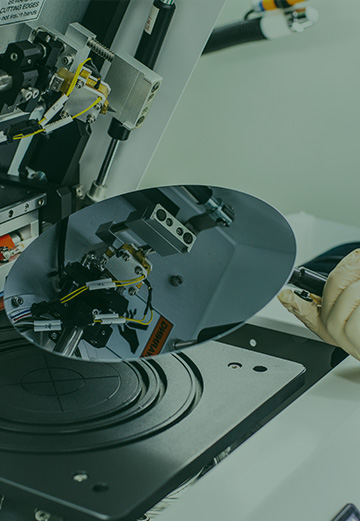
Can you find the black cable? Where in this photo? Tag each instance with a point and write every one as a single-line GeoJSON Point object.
{"type": "Point", "coordinates": [149, 299]}
{"type": "Point", "coordinates": [201, 193]}
{"type": "Point", "coordinates": [93, 68]}
{"type": "Point", "coordinates": [248, 14]}
{"type": "Point", "coordinates": [245, 31]}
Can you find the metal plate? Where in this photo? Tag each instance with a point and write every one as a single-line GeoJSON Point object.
{"type": "Point", "coordinates": [16, 201]}
{"type": "Point", "coordinates": [135, 430]}
{"type": "Point", "coordinates": [229, 274]}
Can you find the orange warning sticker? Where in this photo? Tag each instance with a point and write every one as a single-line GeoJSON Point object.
{"type": "Point", "coordinates": [158, 337]}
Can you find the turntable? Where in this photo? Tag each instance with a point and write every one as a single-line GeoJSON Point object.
{"type": "Point", "coordinates": [84, 441]}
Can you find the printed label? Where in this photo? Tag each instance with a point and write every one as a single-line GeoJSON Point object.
{"type": "Point", "coordinates": [151, 20]}
{"type": "Point", "coordinates": [158, 337]}
{"type": "Point", "coordinates": [17, 11]}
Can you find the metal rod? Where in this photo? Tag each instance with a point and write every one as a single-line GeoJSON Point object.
{"type": "Point", "coordinates": [106, 165]}
{"type": "Point", "coordinates": [308, 280]}
{"type": "Point", "coordinates": [101, 50]}
{"type": "Point", "coordinates": [69, 340]}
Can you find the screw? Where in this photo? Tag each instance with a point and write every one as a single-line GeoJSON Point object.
{"type": "Point", "coordinates": [80, 477]}
{"type": "Point", "coordinates": [26, 207]}
{"type": "Point", "coordinates": [98, 106]}
{"type": "Point", "coordinates": [17, 301]}
{"type": "Point", "coordinates": [155, 87]}
{"type": "Point", "coordinates": [29, 61]}
{"type": "Point", "coordinates": [188, 238]}
{"type": "Point", "coordinates": [179, 231]}
{"type": "Point", "coordinates": [47, 38]}
{"type": "Point", "coordinates": [40, 515]}
{"type": "Point", "coordinates": [126, 257]}
{"type": "Point", "coordinates": [13, 57]}
{"type": "Point", "coordinates": [132, 291]}
{"type": "Point", "coordinates": [140, 121]}
{"type": "Point", "coordinates": [90, 119]}
{"type": "Point", "coordinates": [79, 191]}
{"type": "Point", "coordinates": [103, 333]}
{"type": "Point", "coordinates": [68, 59]}
{"type": "Point", "coordinates": [64, 114]}
{"type": "Point", "coordinates": [169, 221]}
{"type": "Point", "coordinates": [138, 270]}
{"type": "Point", "coordinates": [79, 84]}
{"type": "Point", "coordinates": [161, 215]}
{"type": "Point", "coordinates": [41, 202]}
{"type": "Point", "coordinates": [176, 280]}
{"type": "Point", "coordinates": [53, 336]}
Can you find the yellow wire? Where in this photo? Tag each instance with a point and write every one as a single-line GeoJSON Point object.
{"type": "Point", "coordinates": [142, 320]}
{"type": "Point", "coordinates": [80, 290]}
{"type": "Point", "coordinates": [91, 106]}
{"type": "Point", "coordinates": [75, 291]}
{"type": "Point", "coordinates": [70, 89]}
{"type": "Point", "coordinates": [65, 299]}
{"type": "Point", "coordinates": [129, 281]}
{"type": "Point", "coordinates": [120, 284]}
{"type": "Point", "coordinates": [21, 136]}
{"type": "Point", "coordinates": [136, 320]}
{"type": "Point", "coordinates": [76, 77]}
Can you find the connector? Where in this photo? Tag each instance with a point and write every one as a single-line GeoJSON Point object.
{"type": "Point", "coordinates": [101, 284]}
{"type": "Point", "coordinates": [47, 325]}
{"type": "Point", "coordinates": [54, 110]}
{"type": "Point", "coordinates": [109, 318]}
{"type": "Point", "coordinates": [25, 128]}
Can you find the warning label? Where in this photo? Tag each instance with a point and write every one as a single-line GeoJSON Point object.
{"type": "Point", "coordinates": [17, 11]}
{"type": "Point", "coordinates": [158, 337]}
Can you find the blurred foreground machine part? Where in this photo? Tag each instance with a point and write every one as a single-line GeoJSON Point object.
{"type": "Point", "coordinates": [267, 20]}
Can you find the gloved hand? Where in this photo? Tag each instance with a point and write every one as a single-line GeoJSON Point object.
{"type": "Point", "coordinates": [337, 319]}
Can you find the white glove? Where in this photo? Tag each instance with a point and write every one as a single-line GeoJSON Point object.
{"type": "Point", "coordinates": [337, 319]}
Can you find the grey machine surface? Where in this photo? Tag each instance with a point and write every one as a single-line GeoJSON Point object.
{"type": "Point", "coordinates": [108, 441]}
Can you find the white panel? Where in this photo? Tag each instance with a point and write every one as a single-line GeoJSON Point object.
{"type": "Point", "coordinates": [192, 23]}
{"type": "Point", "coordinates": [277, 119]}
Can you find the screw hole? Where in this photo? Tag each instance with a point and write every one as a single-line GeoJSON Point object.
{"type": "Point", "coordinates": [235, 365]}
{"type": "Point", "coordinates": [260, 369]}
{"type": "Point", "coordinates": [100, 487]}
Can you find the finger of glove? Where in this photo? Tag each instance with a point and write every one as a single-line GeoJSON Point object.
{"type": "Point", "coordinates": [343, 308]}
{"type": "Point", "coordinates": [307, 312]}
{"type": "Point", "coordinates": [352, 332]}
{"type": "Point", "coordinates": [346, 273]}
